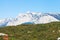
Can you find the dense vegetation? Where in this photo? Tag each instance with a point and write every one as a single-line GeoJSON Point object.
{"type": "Point", "coordinates": [50, 31]}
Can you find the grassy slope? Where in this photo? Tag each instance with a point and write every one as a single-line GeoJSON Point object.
{"type": "Point", "coordinates": [33, 32]}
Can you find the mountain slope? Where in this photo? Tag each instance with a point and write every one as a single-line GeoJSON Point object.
{"type": "Point", "coordinates": [48, 31]}
{"type": "Point", "coordinates": [47, 19]}
{"type": "Point", "coordinates": [31, 17]}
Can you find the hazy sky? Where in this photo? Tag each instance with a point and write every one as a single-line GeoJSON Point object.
{"type": "Point", "coordinates": [11, 8]}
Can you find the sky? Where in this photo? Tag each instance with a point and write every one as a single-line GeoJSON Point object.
{"type": "Point", "coordinates": [11, 8]}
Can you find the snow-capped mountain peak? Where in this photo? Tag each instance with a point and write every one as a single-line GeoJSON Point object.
{"type": "Point", "coordinates": [30, 17]}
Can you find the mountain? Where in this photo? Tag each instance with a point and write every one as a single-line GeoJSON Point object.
{"type": "Point", "coordinates": [30, 18]}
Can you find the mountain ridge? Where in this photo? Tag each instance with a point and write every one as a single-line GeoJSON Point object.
{"type": "Point", "coordinates": [32, 17]}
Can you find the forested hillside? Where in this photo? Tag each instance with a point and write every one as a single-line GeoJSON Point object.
{"type": "Point", "coordinates": [50, 31]}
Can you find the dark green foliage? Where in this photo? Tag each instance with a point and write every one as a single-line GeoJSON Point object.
{"type": "Point", "coordinates": [48, 31]}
